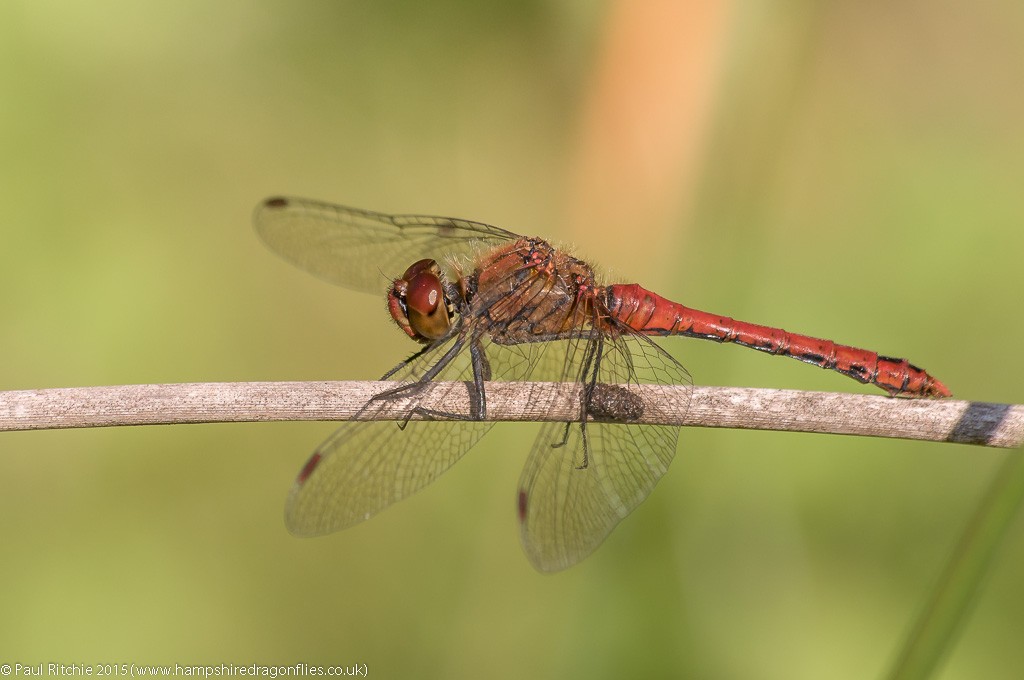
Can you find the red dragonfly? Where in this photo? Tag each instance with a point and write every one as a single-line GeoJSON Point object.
{"type": "Point", "coordinates": [487, 304]}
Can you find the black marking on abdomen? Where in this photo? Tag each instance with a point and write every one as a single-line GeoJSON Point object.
{"type": "Point", "coordinates": [857, 372]}
{"type": "Point", "coordinates": [812, 358]}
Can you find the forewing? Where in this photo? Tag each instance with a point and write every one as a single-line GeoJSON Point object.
{"type": "Point", "coordinates": [361, 249]}
{"type": "Point", "coordinates": [581, 479]}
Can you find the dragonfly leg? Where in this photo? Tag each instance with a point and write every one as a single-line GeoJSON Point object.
{"type": "Point", "coordinates": [565, 437]}
{"type": "Point", "coordinates": [481, 374]}
{"type": "Point", "coordinates": [410, 389]}
{"type": "Point", "coordinates": [428, 413]}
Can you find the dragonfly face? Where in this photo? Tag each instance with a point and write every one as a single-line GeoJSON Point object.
{"type": "Point", "coordinates": [419, 302]}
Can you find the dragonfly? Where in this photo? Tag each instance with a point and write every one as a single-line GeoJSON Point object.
{"type": "Point", "coordinates": [486, 304]}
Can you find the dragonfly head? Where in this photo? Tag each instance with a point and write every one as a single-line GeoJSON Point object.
{"type": "Point", "coordinates": [419, 303]}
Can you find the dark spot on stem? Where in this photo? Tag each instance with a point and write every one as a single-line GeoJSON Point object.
{"type": "Point", "coordinates": [616, 404]}
{"type": "Point", "coordinates": [979, 423]}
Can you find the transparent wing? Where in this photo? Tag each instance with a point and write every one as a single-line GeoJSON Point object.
{"type": "Point", "coordinates": [366, 466]}
{"type": "Point", "coordinates": [581, 479]}
{"type": "Point", "coordinates": [365, 250]}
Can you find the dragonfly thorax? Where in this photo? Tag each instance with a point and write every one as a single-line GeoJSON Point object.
{"type": "Point", "coordinates": [419, 302]}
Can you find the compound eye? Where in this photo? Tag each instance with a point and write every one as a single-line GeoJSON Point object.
{"type": "Point", "coordinates": [423, 294]}
{"type": "Point", "coordinates": [426, 305]}
{"type": "Point", "coordinates": [419, 304]}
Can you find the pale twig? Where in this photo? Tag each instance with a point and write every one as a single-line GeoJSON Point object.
{"type": "Point", "coordinates": [1000, 425]}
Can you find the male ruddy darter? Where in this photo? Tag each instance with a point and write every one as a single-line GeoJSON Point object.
{"type": "Point", "coordinates": [487, 304]}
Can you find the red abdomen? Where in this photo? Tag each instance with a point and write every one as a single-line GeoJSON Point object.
{"type": "Point", "coordinates": [651, 314]}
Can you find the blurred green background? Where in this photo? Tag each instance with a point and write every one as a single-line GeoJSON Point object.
{"type": "Point", "coordinates": [849, 170]}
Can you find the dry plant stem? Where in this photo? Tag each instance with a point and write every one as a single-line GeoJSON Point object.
{"type": "Point", "coordinates": [1000, 425]}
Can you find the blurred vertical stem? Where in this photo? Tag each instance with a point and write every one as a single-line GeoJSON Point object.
{"type": "Point", "coordinates": [948, 607]}
{"type": "Point", "coordinates": [646, 110]}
